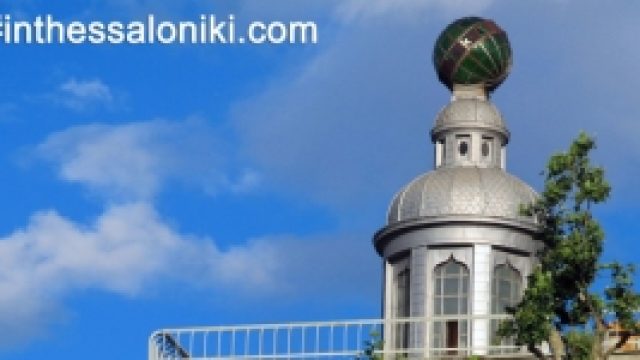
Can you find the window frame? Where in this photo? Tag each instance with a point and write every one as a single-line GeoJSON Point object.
{"type": "Point", "coordinates": [442, 295]}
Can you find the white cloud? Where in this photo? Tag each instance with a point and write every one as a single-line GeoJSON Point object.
{"type": "Point", "coordinates": [135, 160]}
{"type": "Point", "coordinates": [129, 250]}
{"type": "Point", "coordinates": [80, 95]}
{"type": "Point", "coordinates": [91, 89]}
{"type": "Point", "coordinates": [51, 256]}
{"type": "Point", "coordinates": [248, 180]}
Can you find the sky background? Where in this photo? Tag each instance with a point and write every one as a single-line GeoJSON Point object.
{"type": "Point", "coordinates": [160, 186]}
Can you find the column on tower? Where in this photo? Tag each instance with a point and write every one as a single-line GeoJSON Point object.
{"type": "Point", "coordinates": [481, 297]}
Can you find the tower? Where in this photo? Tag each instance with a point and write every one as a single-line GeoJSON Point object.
{"type": "Point", "coordinates": [456, 249]}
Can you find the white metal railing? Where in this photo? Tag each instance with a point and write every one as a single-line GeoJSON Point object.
{"type": "Point", "coordinates": [353, 339]}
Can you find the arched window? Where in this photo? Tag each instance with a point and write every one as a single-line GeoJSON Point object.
{"type": "Point", "coordinates": [506, 291]}
{"type": "Point", "coordinates": [486, 149]}
{"type": "Point", "coordinates": [463, 145]}
{"type": "Point", "coordinates": [451, 297]}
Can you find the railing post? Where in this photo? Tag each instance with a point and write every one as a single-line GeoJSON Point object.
{"type": "Point", "coordinates": [153, 347]}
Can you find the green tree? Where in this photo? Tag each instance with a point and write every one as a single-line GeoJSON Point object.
{"type": "Point", "coordinates": [372, 347]}
{"type": "Point", "coordinates": [559, 306]}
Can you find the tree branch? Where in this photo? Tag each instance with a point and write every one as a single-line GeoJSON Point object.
{"type": "Point", "coordinates": [597, 315]}
{"type": "Point", "coordinates": [601, 325]}
{"type": "Point", "coordinates": [556, 343]}
{"type": "Point", "coordinates": [536, 352]}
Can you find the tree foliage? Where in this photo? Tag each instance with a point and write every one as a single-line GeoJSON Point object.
{"type": "Point", "coordinates": [559, 306]}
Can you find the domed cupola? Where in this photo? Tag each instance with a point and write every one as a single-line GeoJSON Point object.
{"type": "Point", "coordinates": [462, 191]}
{"type": "Point", "coordinates": [455, 233]}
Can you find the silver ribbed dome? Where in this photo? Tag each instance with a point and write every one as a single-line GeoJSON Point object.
{"type": "Point", "coordinates": [470, 112]}
{"type": "Point", "coordinates": [462, 191]}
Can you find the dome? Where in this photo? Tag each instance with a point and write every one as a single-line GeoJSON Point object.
{"type": "Point", "coordinates": [472, 50]}
{"type": "Point", "coordinates": [470, 112]}
{"type": "Point", "coordinates": [487, 192]}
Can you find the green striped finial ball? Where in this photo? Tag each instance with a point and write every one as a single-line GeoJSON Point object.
{"type": "Point", "coordinates": [472, 50]}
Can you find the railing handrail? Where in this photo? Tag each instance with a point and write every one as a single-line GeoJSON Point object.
{"type": "Point", "coordinates": [323, 339]}
{"type": "Point", "coordinates": [371, 321]}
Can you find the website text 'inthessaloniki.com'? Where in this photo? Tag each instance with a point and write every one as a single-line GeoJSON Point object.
{"type": "Point", "coordinates": [205, 29]}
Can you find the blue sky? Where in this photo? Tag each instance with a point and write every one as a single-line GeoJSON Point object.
{"type": "Point", "coordinates": [156, 186]}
